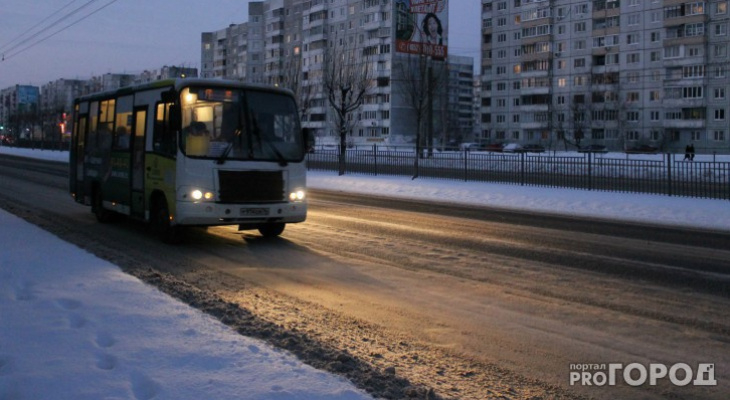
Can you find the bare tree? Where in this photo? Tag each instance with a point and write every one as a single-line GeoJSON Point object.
{"type": "Point", "coordinates": [420, 78]}
{"type": "Point", "coordinates": [411, 71]}
{"type": "Point", "coordinates": [451, 129]}
{"type": "Point", "coordinates": [294, 79]}
{"type": "Point", "coordinates": [579, 111]}
{"type": "Point", "coordinates": [347, 77]}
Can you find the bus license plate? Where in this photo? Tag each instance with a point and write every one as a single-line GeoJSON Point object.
{"type": "Point", "coordinates": [255, 211]}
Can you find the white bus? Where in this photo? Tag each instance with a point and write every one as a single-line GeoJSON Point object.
{"type": "Point", "coordinates": [191, 152]}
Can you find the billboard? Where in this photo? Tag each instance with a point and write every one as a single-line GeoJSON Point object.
{"type": "Point", "coordinates": [421, 27]}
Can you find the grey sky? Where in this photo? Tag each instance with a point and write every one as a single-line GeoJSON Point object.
{"type": "Point", "coordinates": [129, 36]}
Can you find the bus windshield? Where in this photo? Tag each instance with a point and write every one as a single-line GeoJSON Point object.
{"type": "Point", "coordinates": [240, 124]}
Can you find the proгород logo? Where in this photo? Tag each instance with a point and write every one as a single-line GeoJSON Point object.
{"type": "Point", "coordinates": [636, 374]}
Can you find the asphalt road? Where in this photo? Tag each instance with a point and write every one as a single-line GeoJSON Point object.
{"type": "Point", "coordinates": [459, 302]}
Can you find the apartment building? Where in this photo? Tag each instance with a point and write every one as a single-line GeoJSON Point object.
{"type": "Point", "coordinates": [286, 43]}
{"type": "Point", "coordinates": [461, 98]}
{"type": "Point", "coordinates": [19, 109]}
{"type": "Point", "coordinates": [45, 112]}
{"type": "Point", "coordinates": [620, 73]}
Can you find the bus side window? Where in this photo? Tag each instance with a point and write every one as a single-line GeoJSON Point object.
{"type": "Point", "coordinates": [123, 125]}
{"type": "Point", "coordinates": [164, 138]}
{"type": "Point", "coordinates": [106, 124]}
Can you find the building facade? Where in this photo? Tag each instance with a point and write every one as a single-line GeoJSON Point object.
{"type": "Point", "coordinates": [620, 73]}
{"type": "Point", "coordinates": [44, 113]}
{"type": "Point", "coordinates": [287, 43]}
{"type": "Point", "coordinates": [19, 110]}
{"type": "Point", "coordinates": [57, 99]}
{"type": "Point", "coordinates": [236, 52]}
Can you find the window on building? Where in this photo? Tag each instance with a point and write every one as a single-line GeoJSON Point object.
{"type": "Point", "coordinates": [720, 50]}
{"type": "Point", "coordinates": [721, 7]}
{"type": "Point", "coordinates": [720, 29]}
{"type": "Point", "coordinates": [719, 114]}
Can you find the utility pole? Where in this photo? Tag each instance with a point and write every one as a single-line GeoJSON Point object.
{"type": "Point", "coordinates": [429, 113]}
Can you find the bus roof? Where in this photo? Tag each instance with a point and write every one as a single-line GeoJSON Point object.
{"type": "Point", "coordinates": [180, 83]}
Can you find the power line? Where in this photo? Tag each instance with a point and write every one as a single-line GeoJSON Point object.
{"type": "Point", "coordinates": [34, 26]}
{"type": "Point", "coordinates": [8, 56]}
{"type": "Point", "coordinates": [50, 25]}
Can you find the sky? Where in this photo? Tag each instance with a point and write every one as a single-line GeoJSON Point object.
{"type": "Point", "coordinates": [132, 36]}
{"type": "Point", "coordinates": [119, 338]}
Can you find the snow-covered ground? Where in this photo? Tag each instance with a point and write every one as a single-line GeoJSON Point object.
{"type": "Point", "coordinates": [73, 326]}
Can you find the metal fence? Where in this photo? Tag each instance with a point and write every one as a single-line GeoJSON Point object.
{"type": "Point", "coordinates": [666, 174]}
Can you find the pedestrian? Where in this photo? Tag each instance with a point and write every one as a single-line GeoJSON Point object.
{"type": "Point", "coordinates": [691, 152]}
{"type": "Point", "coordinates": [686, 152]}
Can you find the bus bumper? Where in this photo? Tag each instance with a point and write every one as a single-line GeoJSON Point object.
{"type": "Point", "coordinates": [211, 214]}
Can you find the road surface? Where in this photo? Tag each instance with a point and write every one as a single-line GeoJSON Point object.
{"type": "Point", "coordinates": [432, 300]}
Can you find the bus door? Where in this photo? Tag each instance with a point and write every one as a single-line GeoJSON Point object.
{"type": "Point", "coordinates": [138, 153]}
{"type": "Point", "coordinates": [117, 183]}
{"type": "Point", "coordinates": [77, 168]}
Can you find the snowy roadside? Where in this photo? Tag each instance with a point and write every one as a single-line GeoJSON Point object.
{"type": "Point", "coordinates": [73, 326]}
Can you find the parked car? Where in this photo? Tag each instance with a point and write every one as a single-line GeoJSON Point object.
{"type": "Point", "coordinates": [512, 148]}
{"type": "Point", "coordinates": [593, 148]}
{"type": "Point", "coordinates": [643, 149]}
{"type": "Point", "coordinates": [532, 148]}
{"type": "Point", "coordinates": [498, 147]}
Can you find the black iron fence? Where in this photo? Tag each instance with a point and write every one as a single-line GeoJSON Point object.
{"type": "Point", "coordinates": [667, 174]}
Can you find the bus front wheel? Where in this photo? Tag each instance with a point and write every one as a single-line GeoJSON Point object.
{"type": "Point", "coordinates": [272, 230]}
{"type": "Point", "coordinates": [160, 222]}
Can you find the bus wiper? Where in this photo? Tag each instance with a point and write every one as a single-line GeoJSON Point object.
{"type": "Point", "coordinates": [222, 158]}
{"type": "Point", "coordinates": [280, 157]}
{"type": "Point", "coordinates": [236, 136]}
{"type": "Point", "coordinates": [282, 160]}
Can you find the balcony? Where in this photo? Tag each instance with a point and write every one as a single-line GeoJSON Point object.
{"type": "Point", "coordinates": [685, 19]}
{"type": "Point", "coordinates": [525, 90]}
{"type": "Point", "coordinates": [685, 124]}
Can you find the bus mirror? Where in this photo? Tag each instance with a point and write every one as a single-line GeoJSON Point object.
{"type": "Point", "coordinates": [175, 123]}
{"type": "Point", "coordinates": [169, 96]}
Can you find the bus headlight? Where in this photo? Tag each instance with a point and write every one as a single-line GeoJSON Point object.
{"type": "Point", "coordinates": [200, 195]}
{"type": "Point", "coordinates": [297, 195]}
